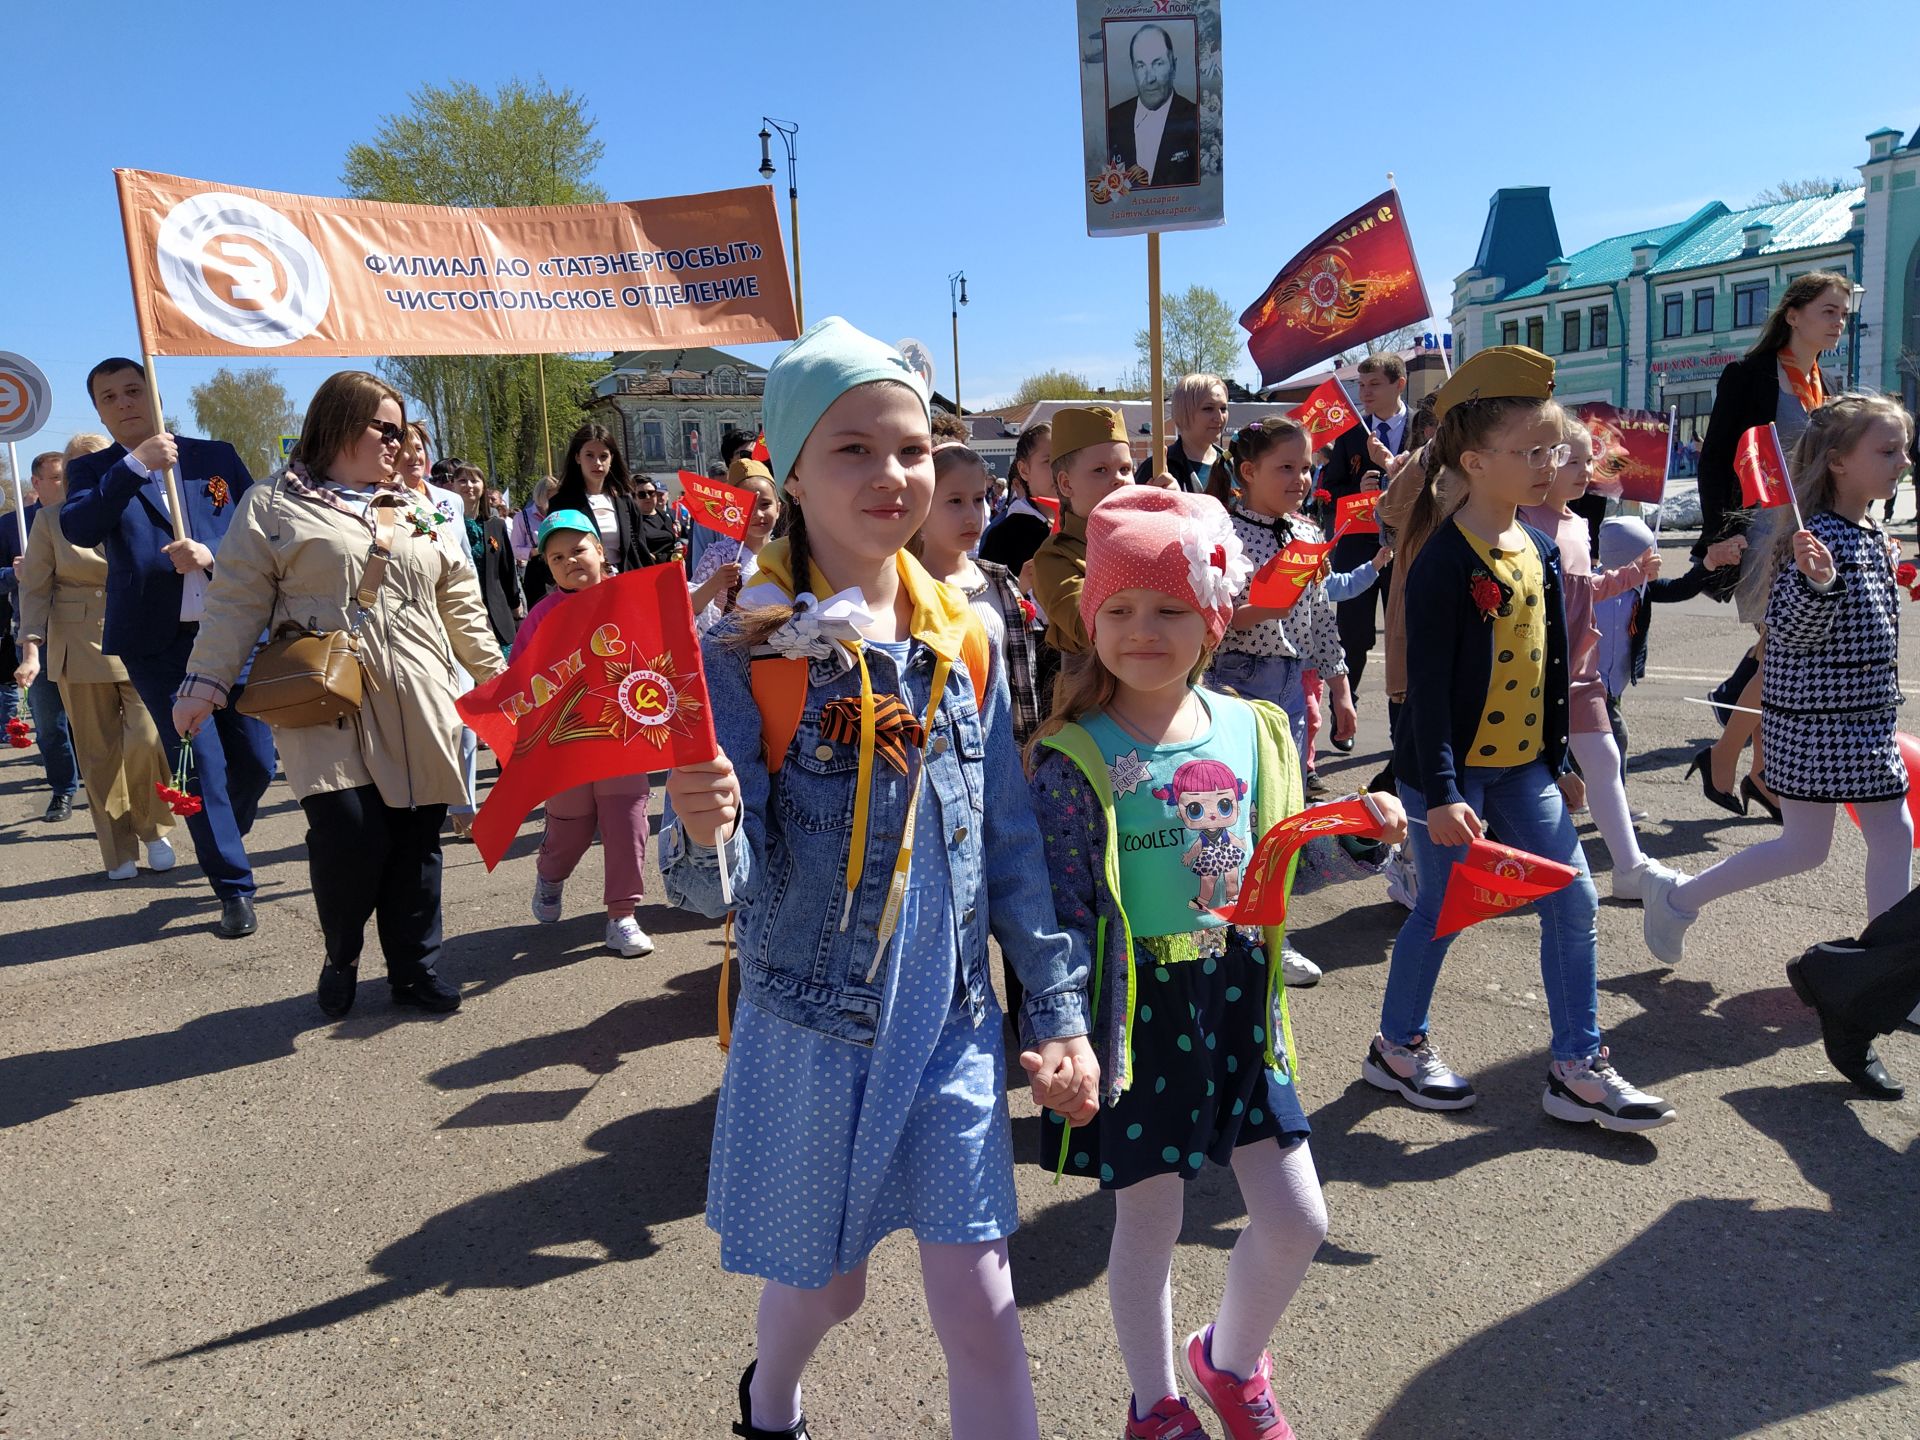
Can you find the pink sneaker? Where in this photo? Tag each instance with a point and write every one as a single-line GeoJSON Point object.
{"type": "Point", "coordinates": [1171, 1419]}
{"type": "Point", "coordinates": [1245, 1407]}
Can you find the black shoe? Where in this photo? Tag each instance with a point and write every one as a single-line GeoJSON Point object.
{"type": "Point", "coordinates": [1315, 787]}
{"type": "Point", "coordinates": [1345, 747]}
{"type": "Point", "coordinates": [1728, 691]}
{"type": "Point", "coordinates": [236, 918]}
{"type": "Point", "coordinates": [1850, 1051]}
{"type": "Point", "coordinates": [747, 1430]}
{"type": "Point", "coordinates": [59, 808]}
{"type": "Point", "coordinates": [429, 992]}
{"type": "Point", "coordinates": [1753, 794]}
{"type": "Point", "coordinates": [1725, 799]}
{"type": "Point", "coordinates": [337, 984]}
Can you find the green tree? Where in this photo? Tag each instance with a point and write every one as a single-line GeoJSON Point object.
{"type": "Point", "coordinates": [1052, 385]}
{"type": "Point", "coordinates": [523, 144]}
{"type": "Point", "coordinates": [249, 409]}
{"type": "Point", "coordinates": [1810, 189]}
{"type": "Point", "coordinates": [1199, 335]}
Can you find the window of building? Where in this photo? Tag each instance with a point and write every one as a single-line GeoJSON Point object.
{"type": "Point", "coordinates": [1690, 418]}
{"type": "Point", "coordinates": [1749, 304]}
{"type": "Point", "coordinates": [1537, 331]}
{"type": "Point", "coordinates": [1509, 332]}
{"type": "Point", "coordinates": [653, 442]}
{"type": "Point", "coordinates": [1703, 312]}
{"type": "Point", "coordinates": [1570, 330]}
{"type": "Point", "coordinates": [1597, 327]}
{"type": "Point", "coordinates": [690, 438]}
{"type": "Point", "coordinates": [1673, 316]}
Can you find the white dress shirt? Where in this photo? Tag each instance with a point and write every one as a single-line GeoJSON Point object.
{"type": "Point", "coordinates": [1148, 127]}
{"type": "Point", "coordinates": [193, 585]}
{"type": "Point", "coordinates": [1396, 428]}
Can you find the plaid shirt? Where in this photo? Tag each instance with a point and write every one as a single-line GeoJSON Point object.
{"type": "Point", "coordinates": [1016, 639]}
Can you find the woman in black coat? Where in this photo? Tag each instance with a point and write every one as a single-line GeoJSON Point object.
{"type": "Point", "coordinates": [1777, 382]}
{"type": "Point", "coordinates": [595, 481]}
{"type": "Point", "coordinates": [492, 548]}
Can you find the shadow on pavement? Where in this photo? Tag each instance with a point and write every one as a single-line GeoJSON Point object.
{"type": "Point", "coordinates": [651, 1168]}
{"type": "Point", "coordinates": [1721, 1319]}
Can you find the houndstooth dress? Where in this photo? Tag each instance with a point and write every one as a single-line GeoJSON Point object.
{"type": "Point", "coordinates": [1831, 683]}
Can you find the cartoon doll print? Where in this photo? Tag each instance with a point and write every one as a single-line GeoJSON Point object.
{"type": "Point", "coordinates": [1206, 796]}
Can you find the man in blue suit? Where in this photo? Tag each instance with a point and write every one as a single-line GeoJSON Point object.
{"type": "Point", "coordinates": [156, 596]}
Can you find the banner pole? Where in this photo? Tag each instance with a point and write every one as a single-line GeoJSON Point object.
{"type": "Point", "coordinates": [167, 476]}
{"type": "Point", "coordinates": [1446, 361]}
{"type": "Point", "coordinates": [1158, 380]}
{"type": "Point", "coordinates": [1793, 496]}
{"type": "Point", "coordinates": [19, 496]}
{"type": "Point", "coordinates": [546, 428]}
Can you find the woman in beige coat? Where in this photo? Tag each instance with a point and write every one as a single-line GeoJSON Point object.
{"type": "Point", "coordinates": [63, 608]}
{"type": "Point", "coordinates": [375, 787]}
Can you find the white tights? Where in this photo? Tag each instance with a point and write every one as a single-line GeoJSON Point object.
{"type": "Point", "coordinates": [1286, 1221]}
{"type": "Point", "coordinates": [1599, 760]}
{"type": "Point", "coordinates": [1806, 833]}
{"type": "Point", "coordinates": [970, 1300]}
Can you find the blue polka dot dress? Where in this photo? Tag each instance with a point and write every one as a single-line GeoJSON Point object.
{"type": "Point", "coordinates": [822, 1148]}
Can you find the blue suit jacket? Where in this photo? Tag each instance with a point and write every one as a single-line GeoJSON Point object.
{"type": "Point", "coordinates": [107, 504]}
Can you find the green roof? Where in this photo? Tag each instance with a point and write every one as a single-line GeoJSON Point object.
{"type": "Point", "coordinates": [1712, 235]}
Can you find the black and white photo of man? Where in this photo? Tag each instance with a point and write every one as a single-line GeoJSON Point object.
{"type": "Point", "coordinates": [1158, 130]}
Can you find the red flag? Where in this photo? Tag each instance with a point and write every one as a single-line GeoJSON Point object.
{"type": "Point", "coordinates": [1907, 576]}
{"type": "Point", "coordinates": [1493, 880]}
{"type": "Point", "coordinates": [1050, 505]}
{"type": "Point", "coordinates": [609, 684]}
{"type": "Point", "coordinates": [718, 505]}
{"type": "Point", "coordinates": [1354, 514]}
{"type": "Point", "coordinates": [1630, 450]}
{"type": "Point", "coordinates": [1910, 757]}
{"type": "Point", "coordinates": [1279, 584]}
{"type": "Point", "coordinates": [1263, 886]}
{"type": "Point", "coordinates": [1355, 281]}
{"type": "Point", "coordinates": [760, 451]}
{"type": "Point", "coordinates": [1326, 414]}
{"type": "Point", "coordinates": [1762, 469]}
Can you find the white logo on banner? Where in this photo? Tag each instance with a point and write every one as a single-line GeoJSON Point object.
{"type": "Point", "coordinates": [241, 271]}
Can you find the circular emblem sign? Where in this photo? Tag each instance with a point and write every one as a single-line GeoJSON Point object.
{"type": "Point", "coordinates": [648, 698]}
{"type": "Point", "coordinates": [25, 397]}
{"type": "Point", "coordinates": [242, 271]}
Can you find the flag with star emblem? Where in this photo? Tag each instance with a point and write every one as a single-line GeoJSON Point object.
{"type": "Point", "coordinates": [1279, 584]}
{"type": "Point", "coordinates": [1495, 880]}
{"type": "Point", "coordinates": [608, 684]}
{"type": "Point", "coordinates": [1263, 886]}
{"type": "Point", "coordinates": [1326, 414]}
{"type": "Point", "coordinates": [718, 505]}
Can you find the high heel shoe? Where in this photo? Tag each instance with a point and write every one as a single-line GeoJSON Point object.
{"type": "Point", "coordinates": [1725, 799]}
{"type": "Point", "coordinates": [1753, 793]}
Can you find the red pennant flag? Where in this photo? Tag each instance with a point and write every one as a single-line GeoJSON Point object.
{"type": "Point", "coordinates": [1355, 281]}
{"type": "Point", "coordinates": [1910, 757]}
{"type": "Point", "coordinates": [1493, 880]}
{"type": "Point", "coordinates": [760, 451]}
{"type": "Point", "coordinates": [1762, 469]}
{"type": "Point", "coordinates": [609, 684]}
{"type": "Point", "coordinates": [718, 505]}
{"type": "Point", "coordinates": [1326, 414]}
{"type": "Point", "coordinates": [1279, 584]}
{"type": "Point", "coordinates": [1907, 576]}
{"type": "Point", "coordinates": [1051, 506]}
{"type": "Point", "coordinates": [1354, 514]}
{"type": "Point", "coordinates": [1630, 450]}
{"type": "Point", "coordinates": [1263, 886]}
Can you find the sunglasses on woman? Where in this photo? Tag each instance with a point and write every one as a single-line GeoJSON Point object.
{"type": "Point", "coordinates": [390, 433]}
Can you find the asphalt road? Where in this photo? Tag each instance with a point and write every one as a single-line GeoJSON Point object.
{"type": "Point", "coordinates": [226, 1216]}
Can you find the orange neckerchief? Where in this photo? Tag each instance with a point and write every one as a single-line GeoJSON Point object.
{"type": "Point", "coordinates": [1809, 386]}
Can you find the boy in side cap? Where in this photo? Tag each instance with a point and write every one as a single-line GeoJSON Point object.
{"type": "Point", "coordinates": [1091, 459]}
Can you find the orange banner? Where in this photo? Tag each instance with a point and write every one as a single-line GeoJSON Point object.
{"type": "Point", "coordinates": [222, 270]}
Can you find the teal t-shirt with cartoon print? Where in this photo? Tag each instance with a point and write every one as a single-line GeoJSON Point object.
{"type": "Point", "coordinates": [1184, 817]}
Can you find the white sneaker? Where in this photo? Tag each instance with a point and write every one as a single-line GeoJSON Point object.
{"type": "Point", "coordinates": [1663, 924]}
{"type": "Point", "coordinates": [546, 899]}
{"type": "Point", "coordinates": [1592, 1090]}
{"type": "Point", "coordinates": [625, 937]}
{"type": "Point", "coordinates": [1403, 881]}
{"type": "Point", "coordinates": [1638, 816]}
{"type": "Point", "coordinates": [123, 872]}
{"type": "Point", "coordinates": [1632, 884]}
{"type": "Point", "coordinates": [1298, 972]}
{"type": "Point", "coordinates": [159, 854]}
{"type": "Point", "coordinates": [1417, 1074]}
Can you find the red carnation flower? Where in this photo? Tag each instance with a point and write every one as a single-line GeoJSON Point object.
{"type": "Point", "coordinates": [1908, 578]}
{"type": "Point", "coordinates": [1488, 598]}
{"type": "Point", "coordinates": [1323, 497]}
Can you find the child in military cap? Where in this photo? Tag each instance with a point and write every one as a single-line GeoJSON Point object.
{"type": "Point", "coordinates": [1091, 459]}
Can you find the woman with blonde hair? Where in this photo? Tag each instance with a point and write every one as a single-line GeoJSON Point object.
{"type": "Point", "coordinates": [1200, 417]}
{"type": "Point", "coordinates": [331, 543]}
{"type": "Point", "coordinates": [63, 611]}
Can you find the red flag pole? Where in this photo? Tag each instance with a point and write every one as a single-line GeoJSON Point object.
{"type": "Point", "coordinates": [1673, 419]}
{"type": "Point", "coordinates": [1793, 498]}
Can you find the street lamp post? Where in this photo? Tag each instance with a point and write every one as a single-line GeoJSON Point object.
{"type": "Point", "coordinates": [956, 297]}
{"type": "Point", "coordinates": [1855, 328]}
{"type": "Point", "coordinates": [787, 130]}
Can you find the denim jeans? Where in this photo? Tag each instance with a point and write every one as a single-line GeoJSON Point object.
{"type": "Point", "coordinates": [1523, 805]}
{"type": "Point", "coordinates": [9, 701]}
{"type": "Point", "coordinates": [1274, 678]}
{"type": "Point", "coordinates": [55, 740]}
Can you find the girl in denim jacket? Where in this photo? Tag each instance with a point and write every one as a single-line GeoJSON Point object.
{"type": "Point", "coordinates": [870, 809]}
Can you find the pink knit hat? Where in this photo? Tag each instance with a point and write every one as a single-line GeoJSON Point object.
{"type": "Point", "coordinates": [1144, 538]}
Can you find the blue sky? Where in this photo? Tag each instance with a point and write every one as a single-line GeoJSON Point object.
{"type": "Point", "coordinates": [941, 137]}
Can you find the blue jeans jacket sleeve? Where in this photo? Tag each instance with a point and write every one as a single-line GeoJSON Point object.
{"type": "Point", "coordinates": [692, 872]}
{"type": "Point", "coordinates": [1053, 964]}
{"type": "Point", "coordinates": [1350, 585]}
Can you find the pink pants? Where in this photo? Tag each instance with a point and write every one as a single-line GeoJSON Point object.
{"type": "Point", "coordinates": [1311, 679]}
{"type": "Point", "coordinates": [618, 809]}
